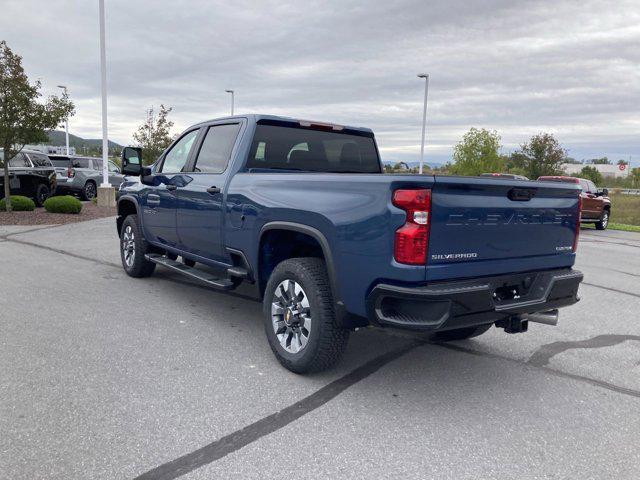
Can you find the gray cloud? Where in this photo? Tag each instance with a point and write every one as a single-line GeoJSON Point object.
{"type": "Point", "coordinates": [570, 68]}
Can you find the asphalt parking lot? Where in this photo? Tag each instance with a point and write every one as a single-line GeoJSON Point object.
{"type": "Point", "coordinates": [105, 376]}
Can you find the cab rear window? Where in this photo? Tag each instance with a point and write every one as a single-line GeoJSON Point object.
{"type": "Point", "coordinates": [299, 148]}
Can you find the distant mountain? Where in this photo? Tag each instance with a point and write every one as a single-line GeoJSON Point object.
{"type": "Point", "coordinates": [57, 138]}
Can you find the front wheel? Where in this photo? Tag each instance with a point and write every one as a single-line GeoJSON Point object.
{"type": "Point", "coordinates": [604, 221]}
{"type": "Point", "coordinates": [299, 316]}
{"type": "Point", "coordinates": [133, 248]}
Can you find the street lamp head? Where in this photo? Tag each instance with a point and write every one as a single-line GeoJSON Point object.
{"type": "Point", "coordinates": [229, 91]}
{"type": "Point", "coordinates": [62, 86]}
{"type": "Point", "coordinates": [423, 75]}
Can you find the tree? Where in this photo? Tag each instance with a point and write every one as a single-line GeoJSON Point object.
{"type": "Point", "coordinates": [478, 153]}
{"type": "Point", "coordinates": [635, 176]}
{"type": "Point", "coordinates": [622, 162]}
{"type": "Point", "coordinates": [22, 118]}
{"type": "Point", "coordinates": [591, 173]}
{"type": "Point", "coordinates": [599, 161]}
{"type": "Point", "coordinates": [154, 134]}
{"type": "Point", "coordinates": [543, 155]}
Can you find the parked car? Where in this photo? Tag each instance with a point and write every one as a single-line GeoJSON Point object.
{"type": "Point", "coordinates": [81, 175]}
{"type": "Point", "coordinates": [510, 176]}
{"type": "Point", "coordinates": [30, 174]}
{"type": "Point", "coordinates": [596, 204]}
{"type": "Point", "coordinates": [303, 213]}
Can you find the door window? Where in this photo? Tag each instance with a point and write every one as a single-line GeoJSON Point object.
{"type": "Point", "coordinates": [216, 148]}
{"type": "Point", "coordinates": [78, 162]}
{"type": "Point", "coordinates": [176, 158]}
{"type": "Point", "coordinates": [20, 160]}
{"type": "Point", "coordinates": [113, 167]}
{"type": "Point", "coordinates": [40, 160]}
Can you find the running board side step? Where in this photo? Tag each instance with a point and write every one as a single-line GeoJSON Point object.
{"type": "Point", "coordinates": [204, 277]}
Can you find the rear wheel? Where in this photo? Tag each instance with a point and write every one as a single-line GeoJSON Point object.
{"type": "Point", "coordinates": [42, 193]}
{"type": "Point", "coordinates": [89, 190]}
{"type": "Point", "coordinates": [460, 333]}
{"type": "Point", "coordinates": [299, 317]}
{"type": "Point", "coordinates": [604, 221]}
{"type": "Point", "coordinates": [133, 248]}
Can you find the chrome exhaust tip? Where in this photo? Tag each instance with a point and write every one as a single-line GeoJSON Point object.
{"type": "Point", "coordinates": [548, 318]}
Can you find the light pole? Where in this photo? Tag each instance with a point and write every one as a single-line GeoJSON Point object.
{"type": "Point", "coordinates": [424, 116]}
{"type": "Point", "coordinates": [107, 195]}
{"type": "Point", "coordinates": [232, 99]}
{"type": "Point", "coordinates": [66, 121]}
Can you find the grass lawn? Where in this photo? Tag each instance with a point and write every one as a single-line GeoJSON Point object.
{"type": "Point", "coordinates": [614, 226]}
{"type": "Point", "coordinates": [625, 211]}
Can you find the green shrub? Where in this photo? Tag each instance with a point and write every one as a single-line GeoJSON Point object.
{"type": "Point", "coordinates": [64, 204]}
{"type": "Point", "coordinates": [18, 204]}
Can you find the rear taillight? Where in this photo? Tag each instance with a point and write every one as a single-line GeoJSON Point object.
{"type": "Point", "coordinates": [70, 172]}
{"type": "Point", "coordinates": [577, 236]}
{"type": "Point", "coordinates": [412, 239]}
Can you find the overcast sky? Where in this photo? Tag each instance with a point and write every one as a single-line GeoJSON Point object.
{"type": "Point", "coordinates": [569, 68]}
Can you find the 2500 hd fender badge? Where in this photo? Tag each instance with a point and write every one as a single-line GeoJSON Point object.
{"type": "Point", "coordinates": [454, 256]}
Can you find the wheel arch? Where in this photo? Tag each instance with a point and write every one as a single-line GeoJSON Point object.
{"type": "Point", "coordinates": [127, 205]}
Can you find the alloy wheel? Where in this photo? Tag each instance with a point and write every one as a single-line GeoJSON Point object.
{"type": "Point", "coordinates": [291, 316]}
{"type": "Point", "coordinates": [128, 246]}
{"type": "Point", "coordinates": [89, 190]}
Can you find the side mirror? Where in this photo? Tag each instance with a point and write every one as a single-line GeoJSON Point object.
{"type": "Point", "coordinates": [132, 161]}
{"type": "Point", "coordinates": [605, 192]}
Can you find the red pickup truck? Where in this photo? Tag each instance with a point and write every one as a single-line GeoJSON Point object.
{"type": "Point", "coordinates": [596, 204]}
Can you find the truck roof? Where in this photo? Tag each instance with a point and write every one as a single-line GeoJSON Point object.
{"type": "Point", "coordinates": [256, 117]}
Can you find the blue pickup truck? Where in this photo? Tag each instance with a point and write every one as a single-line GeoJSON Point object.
{"type": "Point", "coordinates": [302, 212]}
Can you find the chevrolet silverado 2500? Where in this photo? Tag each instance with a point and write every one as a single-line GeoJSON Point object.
{"type": "Point", "coordinates": [303, 213]}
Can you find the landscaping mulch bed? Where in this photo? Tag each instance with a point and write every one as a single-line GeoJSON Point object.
{"type": "Point", "coordinates": [41, 217]}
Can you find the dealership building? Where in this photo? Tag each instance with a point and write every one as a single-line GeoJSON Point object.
{"type": "Point", "coordinates": [607, 171]}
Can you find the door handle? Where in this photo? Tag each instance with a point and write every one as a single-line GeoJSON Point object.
{"type": "Point", "coordinates": [153, 199]}
{"type": "Point", "coordinates": [171, 187]}
{"type": "Point", "coordinates": [213, 190]}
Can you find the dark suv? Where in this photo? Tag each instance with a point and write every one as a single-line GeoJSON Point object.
{"type": "Point", "coordinates": [30, 174]}
{"type": "Point", "coordinates": [596, 204]}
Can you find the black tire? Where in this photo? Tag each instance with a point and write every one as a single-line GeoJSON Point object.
{"type": "Point", "coordinates": [460, 333]}
{"type": "Point", "coordinates": [89, 191]}
{"type": "Point", "coordinates": [604, 220]}
{"type": "Point", "coordinates": [326, 341]}
{"type": "Point", "coordinates": [42, 193]}
{"type": "Point", "coordinates": [136, 265]}
{"type": "Point", "coordinates": [171, 256]}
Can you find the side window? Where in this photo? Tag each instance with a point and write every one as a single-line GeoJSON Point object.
{"type": "Point", "coordinates": [304, 147]}
{"type": "Point", "coordinates": [113, 167]}
{"type": "Point", "coordinates": [177, 157]}
{"type": "Point", "coordinates": [592, 187]}
{"type": "Point", "coordinates": [216, 148]}
{"type": "Point", "coordinates": [80, 162]}
{"type": "Point", "coordinates": [20, 160]}
{"type": "Point", "coordinates": [260, 151]}
{"type": "Point", "coordinates": [40, 160]}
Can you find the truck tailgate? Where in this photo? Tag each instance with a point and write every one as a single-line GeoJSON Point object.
{"type": "Point", "coordinates": [483, 226]}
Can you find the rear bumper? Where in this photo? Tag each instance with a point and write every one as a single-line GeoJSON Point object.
{"type": "Point", "coordinates": [449, 305]}
{"type": "Point", "coordinates": [64, 186]}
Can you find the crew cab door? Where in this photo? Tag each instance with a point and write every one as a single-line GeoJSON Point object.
{"type": "Point", "coordinates": [200, 219]}
{"type": "Point", "coordinates": [159, 199]}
